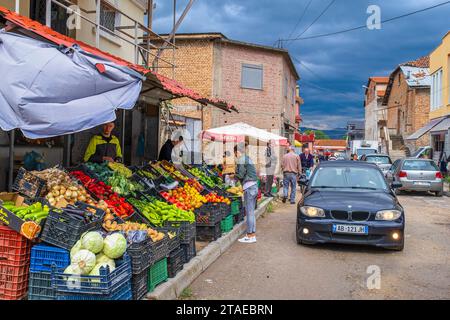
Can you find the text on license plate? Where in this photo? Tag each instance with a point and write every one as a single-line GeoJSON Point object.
{"type": "Point", "coordinates": [418, 183]}
{"type": "Point", "coordinates": [346, 228]}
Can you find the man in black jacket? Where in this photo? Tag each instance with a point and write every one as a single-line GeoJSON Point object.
{"type": "Point", "coordinates": [166, 151]}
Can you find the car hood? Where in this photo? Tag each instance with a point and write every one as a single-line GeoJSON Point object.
{"type": "Point", "coordinates": [359, 201]}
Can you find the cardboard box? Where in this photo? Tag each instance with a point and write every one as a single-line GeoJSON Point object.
{"type": "Point", "coordinates": [29, 229]}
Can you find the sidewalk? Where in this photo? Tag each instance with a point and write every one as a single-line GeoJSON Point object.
{"type": "Point", "coordinates": [173, 288]}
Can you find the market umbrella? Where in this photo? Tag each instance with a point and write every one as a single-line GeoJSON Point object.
{"type": "Point", "coordinates": [49, 90]}
{"type": "Point", "coordinates": [238, 132]}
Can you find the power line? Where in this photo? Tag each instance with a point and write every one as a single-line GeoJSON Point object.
{"type": "Point", "coordinates": [365, 26]}
{"type": "Point", "coordinates": [300, 19]}
{"type": "Point", "coordinates": [320, 15]}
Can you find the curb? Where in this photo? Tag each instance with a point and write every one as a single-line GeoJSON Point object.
{"type": "Point", "coordinates": [172, 288]}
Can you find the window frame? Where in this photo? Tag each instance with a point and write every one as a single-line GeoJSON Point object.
{"type": "Point", "coordinates": [255, 67]}
{"type": "Point", "coordinates": [436, 92]}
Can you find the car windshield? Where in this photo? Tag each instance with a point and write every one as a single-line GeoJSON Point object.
{"type": "Point", "coordinates": [348, 177]}
{"type": "Point", "coordinates": [361, 152]}
{"type": "Point", "coordinates": [419, 165]}
{"type": "Point", "coordinates": [379, 159]}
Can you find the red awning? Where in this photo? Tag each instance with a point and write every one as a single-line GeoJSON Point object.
{"type": "Point", "coordinates": [304, 138]}
{"type": "Point", "coordinates": [167, 84]}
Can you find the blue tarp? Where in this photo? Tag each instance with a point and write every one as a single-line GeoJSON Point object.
{"type": "Point", "coordinates": [47, 91]}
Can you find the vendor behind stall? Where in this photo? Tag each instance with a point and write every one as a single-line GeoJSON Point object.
{"type": "Point", "coordinates": [104, 147]}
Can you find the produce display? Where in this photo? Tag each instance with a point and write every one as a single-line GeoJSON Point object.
{"type": "Point", "coordinates": [101, 170]}
{"type": "Point", "coordinates": [214, 198]}
{"type": "Point", "coordinates": [173, 171]}
{"type": "Point", "coordinates": [236, 190]}
{"type": "Point", "coordinates": [35, 212]}
{"type": "Point", "coordinates": [208, 181]}
{"type": "Point", "coordinates": [123, 186]}
{"type": "Point", "coordinates": [120, 169]}
{"type": "Point", "coordinates": [194, 183]}
{"type": "Point", "coordinates": [146, 174]}
{"type": "Point", "coordinates": [185, 198]}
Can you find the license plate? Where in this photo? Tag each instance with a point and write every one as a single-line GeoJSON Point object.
{"type": "Point", "coordinates": [418, 183]}
{"type": "Point", "coordinates": [352, 229]}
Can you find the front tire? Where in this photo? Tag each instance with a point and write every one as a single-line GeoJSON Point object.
{"type": "Point", "coordinates": [439, 193]}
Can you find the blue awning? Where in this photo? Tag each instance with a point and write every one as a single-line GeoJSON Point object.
{"type": "Point", "coordinates": [49, 91]}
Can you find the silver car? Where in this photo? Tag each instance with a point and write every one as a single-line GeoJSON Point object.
{"type": "Point", "coordinates": [383, 161]}
{"type": "Point", "coordinates": [416, 175]}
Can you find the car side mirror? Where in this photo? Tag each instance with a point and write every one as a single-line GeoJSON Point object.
{"type": "Point", "coordinates": [396, 185]}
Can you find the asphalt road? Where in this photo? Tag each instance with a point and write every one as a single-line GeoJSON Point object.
{"type": "Point", "coordinates": [277, 268]}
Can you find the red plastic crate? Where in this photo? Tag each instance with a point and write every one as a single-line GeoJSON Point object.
{"type": "Point", "coordinates": [14, 248]}
{"type": "Point", "coordinates": [14, 264]}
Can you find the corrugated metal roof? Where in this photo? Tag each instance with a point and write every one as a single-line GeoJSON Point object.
{"type": "Point", "coordinates": [419, 133]}
{"type": "Point", "coordinates": [416, 77]}
{"type": "Point", "coordinates": [442, 126]}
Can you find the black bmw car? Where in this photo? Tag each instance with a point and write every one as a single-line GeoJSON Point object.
{"type": "Point", "coordinates": [350, 202]}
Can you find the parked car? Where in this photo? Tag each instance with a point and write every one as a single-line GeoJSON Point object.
{"type": "Point", "coordinates": [383, 161]}
{"type": "Point", "coordinates": [350, 202]}
{"type": "Point", "coordinates": [416, 175]}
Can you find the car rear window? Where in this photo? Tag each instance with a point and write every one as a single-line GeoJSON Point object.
{"type": "Point", "coordinates": [378, 159]}
{"type": "Point", "coordinates": [419, 165]}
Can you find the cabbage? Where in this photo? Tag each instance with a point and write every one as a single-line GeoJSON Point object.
{"type": "Point", "coordinates": [96, 270]}
{"type": "Point", "coordinates": [77, 247]}
{"type": "Point", "coordinates": [74, 281]}
{"type": "Point", "coordinates": [83, 262]}
{"type": "Point", "coordinates": [92, 241]}
{"type": "Point", "coordinates": [114, 245]}
{"type": "Point", "coordinates": [102, 258]}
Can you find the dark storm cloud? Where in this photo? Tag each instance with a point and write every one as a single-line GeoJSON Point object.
{"type": "Point", "coordinates": [333, 69]}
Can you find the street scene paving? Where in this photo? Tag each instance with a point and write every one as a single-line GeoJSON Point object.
{"type": "Point", "coordinates": [277, 268]}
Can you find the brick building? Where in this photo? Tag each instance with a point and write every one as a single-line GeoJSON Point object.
{"type": "Point", "coordinates": [261, 81]}
{"type": "Point", "coordinates": [407, 101]}
{"type": "Point", "coordinates": [375, 115]}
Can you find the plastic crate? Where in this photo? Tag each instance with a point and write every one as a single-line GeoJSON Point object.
{"type": "Point", "coordinates": [28, 184]}
{"type": "Point", "coordinates": [14, 248]}
{"type": "Point", "coordinates": [157, 274]}
{"type": "Point", "coordinates": [63, 230]}
{"type": "Point", "coordinates": [141, 256]}
{"type": "Point", "coordinates": [174, 243]}
{"type": "Point", "coordinates": [209, 233]}
{"type": "Point", "coordinates": [122, 292]}
{"type": "Point", "coordinates": [189, 251]}
{"type": "Point", "coordinates": [43, 257]}
{"type": "Point", "coordinates": [209, 214]}
{"type": "Point", "coordinates": [40, 286]}
{"type": "Point", "coordinates": [139, 285]}
{"type": "Point", "coordinates": [239, 218]}
{"type": "Point", "coordinates": [235, 207]}
{"type": "Point", "coordinates": [104, 284]}
{"type": "Point", "coordinates": [13, 281]}
{"type": "Point", "coordinates": [227, 224]}
{"type": "Point", "coordinates": [187, 230]}
{"type": "Point", "coordinates": [160, 249]}
{"type": "Point", "coordinates": [175, 262]}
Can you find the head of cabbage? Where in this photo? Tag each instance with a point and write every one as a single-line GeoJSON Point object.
{"type": "Point", "coordinates": [77, 247]}
{"type": "Point", "coordinates": [92, 241]}
{"type": "Point", "coordinates": [83, 262]}
{"type": "Point", "coordinates": [114, 245]}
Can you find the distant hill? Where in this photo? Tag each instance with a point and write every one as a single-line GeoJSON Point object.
{"type": "Point", "coordinates": [336, 134]}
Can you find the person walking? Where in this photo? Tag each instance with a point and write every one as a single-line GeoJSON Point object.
{"type": "Point", "coordinates": [292, 167]}
{"type": "Point", "coordinates": [246, 174]}
{"type": "Point", "coordinates": [270, 170]}
{"type": "Point", "coordinates": [307, 159]}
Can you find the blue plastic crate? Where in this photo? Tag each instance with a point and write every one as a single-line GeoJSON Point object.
{"type": "Point", "coordinates": [104, 284]}
{"type": "Point", "coordinates": [40, 286]}
{"type": "Point", "coordinates": [43, 257]}
{"type": "Point", "coordinates": [123, 292]}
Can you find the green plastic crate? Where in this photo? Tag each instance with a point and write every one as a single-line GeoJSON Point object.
{"type": "Point", "coordinates": [157, 274]}
{"type": "Point", "coordinates": [227, 224]}
{"type": "Point", "coordinates": [235, 208]}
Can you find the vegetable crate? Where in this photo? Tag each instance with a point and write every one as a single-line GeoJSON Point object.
{"type": "Point", "coordinates": [227, 224]}
{"type": "Point", "coordinates": [64, 227]}
{"type": "Point", "coordinates": [44, 257]}
{"type": "Point", "coordinates": [14, 264]}
{"type": "Point", "coordinates": [139, 285]}
{"type": "Point", "coordinates": [209, 233]}
{"type": "Point", "coordinates": [141, 255]}
{"type": "Point", "coordinates": [239, 218]}
{"type": "Point", "coordinates": [175, 262]}
{"type": "Point", "coordinates": [28, 184]}
{"type": "Point", "coordinates": [105, 284]}
{"type": "Point", "coordinates": [209, 214]}
{"type": "Point", "coordinates": [236, 206]}
{"type": "Point", "coordinates": [160, 249]}
{"type": "Point", "coordinates": [122, 292]}
{"type": "Point", "coordinates": [174, 242]}
{"type": "Point", "coordinates": [189, 251]}
{"type": "Point", "coordinates": [157, 274]}
{"type": "Point", "coordinates": [187, 230]}
{"type": "Point", "coordinates": [40, 286]}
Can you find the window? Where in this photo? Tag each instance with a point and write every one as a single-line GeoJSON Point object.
{"type": "Point", "coordinates": [252, 76]}
{"type": "Point", "coordinates": [108, 17]}
{"type": "Point", "coordinates": [436, 90]}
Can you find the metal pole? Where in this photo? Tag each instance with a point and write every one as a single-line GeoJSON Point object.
{"type": "Point", "coordinates": [67, 158]}
{"type": "Point", "coordinates": [97, 23]}
{"type": "Point", "coordinates": [122, 140]}
{"type": "Point", "coordinates": [17, 6]}
{"type": "Point", "coordinates": [149, 26]}
{"type": "Point", "coordinates": [12, 136]}
{"type": "Point", "coordinates": [174, 26]}
{"type": "Point", "coordinates": [48, 13]}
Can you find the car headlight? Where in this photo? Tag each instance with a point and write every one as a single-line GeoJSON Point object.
{"type": "Point", "coordinates": [388, 215]}
{"type": "Point", "coordinates": [313, 212]}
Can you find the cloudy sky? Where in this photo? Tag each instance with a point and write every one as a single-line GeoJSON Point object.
{"type": "Point", "coordinates": [333, 69]}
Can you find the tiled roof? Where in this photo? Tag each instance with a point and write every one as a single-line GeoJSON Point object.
{"type": "Point", "coordinates": [331, 143]}
{"type": "Point", "coordinates": [167, 84]}
{"type": "Point", "coordinates": [423, 62]}
{"type": "Point", "coordinates": [380, 79]}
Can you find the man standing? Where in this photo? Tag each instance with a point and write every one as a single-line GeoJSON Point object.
{"type": "Point", "coordinates": [166, 151]}
{"type": "Point", "coordinates": [246, 174]}
{"type": "Point", "coordinates": [104, 147]}
{"type": "Point", "coordinates": [292, 167]}
{"type": "Point", "coordinates": [270, 170]}
{"type": "Point", "coordinates": [307, 159]}
{"type": "Point", "coordinates": [179, 151]}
